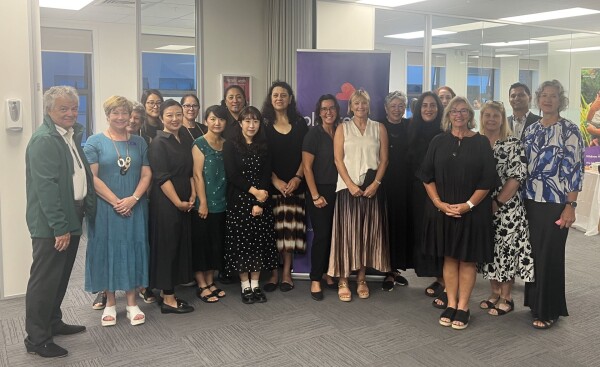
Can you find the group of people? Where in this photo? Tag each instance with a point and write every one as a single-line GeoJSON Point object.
{"type": "Point", "coordinates": [170, 200]}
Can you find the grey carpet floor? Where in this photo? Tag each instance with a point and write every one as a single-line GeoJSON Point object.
{"type": "Point", "coordinates": [397, 328]}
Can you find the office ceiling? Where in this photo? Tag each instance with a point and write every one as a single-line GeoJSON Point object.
{"type": "Point", "coordinates": [177, 17]}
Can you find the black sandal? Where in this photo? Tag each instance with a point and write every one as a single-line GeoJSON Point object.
{"type": "Point", "coordinates": [488, 303]}
{"type": "Point", "coordinates": [499, 311]}
{"type": "Point", "coordinates": [217, 292]}
{"type": "Point", "coordinates": [100, 301]}
{"type": "Point", "coordinates": [147, 295]}
{"type": "Point", "coordinates": [449, 313]}
{"type": "Point", "coordinates": [443, 298]}
{"type": "Point", "coordinates": [546, 324]}
{"type": "Point", "coordinates": [461, 316]}
{"type": "Point", "coordinates": [206, 299]}
{"type": "Point", "coordinates": [436, 288]}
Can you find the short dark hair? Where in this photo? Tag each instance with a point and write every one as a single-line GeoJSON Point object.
{"type": "Point", "coordinates": [327, 97]}
{"type": "Point", "coordinates": [520, 85]}
{"type": "Point", "coordinates": [259, 143]}
{"type": "Point", "coordinates": [168, 103]}
{"type": "Point", "coordinates": [190, 95]}
{"type": "Point", "coordinates": [234, 86]}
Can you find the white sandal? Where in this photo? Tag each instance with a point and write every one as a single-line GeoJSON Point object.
{"type": "Point", "coordinates": [112, 312]}
{"type": "Point", "coordinates": [132, 312]}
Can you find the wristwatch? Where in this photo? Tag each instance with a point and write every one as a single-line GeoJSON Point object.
{"type": "Point", "coordinates": [572, 203]}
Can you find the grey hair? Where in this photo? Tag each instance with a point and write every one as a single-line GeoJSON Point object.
{"type": "Point", "coordinates": [563, 100]}
{"type": "Point", "coordinates": [393, 95]}
{"type": "Point", "coordinates": [140, 109]}
{"type": "Point", "coordinates": [60, 91]}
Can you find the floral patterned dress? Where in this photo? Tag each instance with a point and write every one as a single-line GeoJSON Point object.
{"type": "Point", "coordinates": [512, 250]}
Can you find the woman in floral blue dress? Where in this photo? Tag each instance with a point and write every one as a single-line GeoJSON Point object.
{"type": "Point", "coordinates": [554, 152]}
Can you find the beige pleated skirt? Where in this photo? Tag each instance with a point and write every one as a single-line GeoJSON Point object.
{"type": "Point", "coordinates": [359, 235]}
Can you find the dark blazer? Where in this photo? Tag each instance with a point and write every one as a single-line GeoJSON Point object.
{"type": "Point", "coordinates": [531, 118]}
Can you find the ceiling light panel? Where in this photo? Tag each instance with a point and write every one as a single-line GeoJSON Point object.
{"type": "Point", "coordinates": [64, 4]}
{"type": "Point", "coordinates": [418, 34]}
{"type": "Point", "coordinates": [448, 45]}
{"type": "Point", "coordinates": [513, 43]}
{"type": "Point", "coordinates": [472, 26]}
{"type": "Point", "coordinates": [174, 47]}
{"type": "Point", "coordinates": [389, 3]}
{"type": "Point", "coordinates": [581, 49]}
{"type": "Point", "coordinates": [550, 15]}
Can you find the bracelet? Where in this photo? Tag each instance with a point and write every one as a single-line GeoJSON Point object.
{"type": "Point", "coordinates": [470, 204]}
{"type": "Point", "coordinates": [378, 182]}
{"type": "Point", "coordinates": [136, 198]}
{"type": "Point", "coordinates": [298, 177]}
{"type": "Point", "coordinates": [317, 198]}
{"type": "Point", "coordinates": [498, 202]}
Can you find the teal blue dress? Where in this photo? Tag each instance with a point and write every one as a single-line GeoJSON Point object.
{"type": "Point", "coordinates": [117, 250]}
{"type": "Point", "coordinates": [208, 235]}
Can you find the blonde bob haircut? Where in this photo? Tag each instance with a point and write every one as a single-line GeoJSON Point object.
{"type": "Point", "coordinates": [447, 124]}
{"type": "Point", "coordinates": [497, 106]}
{"type": "Point", "coordinates": [114, 102]}
{"type": "Point", "coordinates": [358, 94]}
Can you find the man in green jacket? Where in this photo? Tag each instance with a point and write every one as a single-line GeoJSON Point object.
{"type": "Point", "coordinates": [60, 189]}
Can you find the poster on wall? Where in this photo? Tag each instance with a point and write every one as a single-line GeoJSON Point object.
{"type": "Point", "coordinates": [244, 81]}
{"type": "Point", "coordinates": [339, 73]}
{"type": "Point", "coordinates": [590, 104]}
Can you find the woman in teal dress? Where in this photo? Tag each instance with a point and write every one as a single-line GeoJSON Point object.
{"type": "Point", "coordinates": [117, 251]}
{"type": "Point", "coordinates": [208, 225]}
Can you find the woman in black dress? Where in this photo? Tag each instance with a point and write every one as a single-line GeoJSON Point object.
{"type": "Point", "coordinates": [321, 177]}
{"type": "Point", "coordinates": [396, 183]}
{"type": "Point", "coordinates": [285, 130]}
{"type": "Point", "coordinates": [250, 234]}
{"type": "Point", "coordinates": [458, 172]}
{"type": "Point", "coordinates": [234, 99]}
{"type": "Point", "coordinates": [424, 125]}
{"type": "Point", "coordinates": [172, 197]}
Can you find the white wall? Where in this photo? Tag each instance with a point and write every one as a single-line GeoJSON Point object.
{"type": "Point", "coordinates": [345, 26]}
{"type": "Point", "coordinates": [397, 65]}
{"type": "Point", "coordinates": [17, 82]}
{"type": "Point", "coordinates": [234, 42]}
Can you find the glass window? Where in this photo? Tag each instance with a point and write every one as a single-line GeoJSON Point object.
{"type": "Point", "coordinates": [173, 74]}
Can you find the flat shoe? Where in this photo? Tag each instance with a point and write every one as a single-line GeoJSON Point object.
{"type": "Point", "coordinates": [400, 280]}
{"type": "Point", "coordinates": [449, 313]}
{"type": "Point", "coordinates": [258, 295]}
{"type": "Point", "coordinates": [442, 297]}
{"type": "Point", "coordinates": [286, 287]}
{"type": "Point", "coordinates": [546, 324]}
{"type": "Point", "coordinates": [501, 312]}
{"type": "Point", "coordinates": [317, 296]}
{"type": "Point", "coordinates": [147, 295]}
{"type": "Point", "coordinates": [436, 288]}
{"type": "Point", "coordinates": [270, 287]}
{"type": "Point", "coordinates": [210, 298]}
{"type": "Point", "coordinates": [132, 312]}
{"type": "Point", "coordinates": [112, 312]}
{"type": "Point", "coordinates": [388, 285]}
{"type": "Point", "coordinates": [66, 329]}
{"type": "Point", "coordinates": [218, 292]}
{"type": "Point", "coordinates": [488, 304]}
{"type": "Point", "coordinates": [49, 350]}
{"type": "Point", "coordinates": [100, 301]}
{"type": "Point", "coordinates": [461, 316]}
{"type": "Point", "coordinates": [181, 308]}
{"type": "Point", "coordinates": [247, 296]}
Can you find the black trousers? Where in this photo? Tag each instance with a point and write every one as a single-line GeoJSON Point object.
{"type": "Point", "coordinates": [321, 220]}
{"type": "Point", "coordinates": [48, 280]}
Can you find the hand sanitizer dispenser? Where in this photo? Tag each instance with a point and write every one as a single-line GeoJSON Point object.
{"type": "Point", "coordinates": [14, 119]}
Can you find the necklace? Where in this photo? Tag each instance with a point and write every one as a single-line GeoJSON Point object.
{"type": "Point", "coordinates": [192, 135]}
{"type": "Point", "coordinates": [123, 163]}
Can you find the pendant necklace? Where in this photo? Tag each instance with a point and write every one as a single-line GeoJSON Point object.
{"type": "Point", "coordinates": [123, 163]}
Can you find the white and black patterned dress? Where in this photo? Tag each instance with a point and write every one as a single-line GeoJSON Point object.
{"type": "Point", "coordinates": [512, 250]}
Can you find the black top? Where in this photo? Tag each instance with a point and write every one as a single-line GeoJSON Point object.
{"type": "Point", "coordinates": [148, 132]}
{"type": "Point", "coordinates": [188, 137]}
{"type": "Point", "coordinates": [398, 148]}
{"type": "Point", "coordinates": [231, 127]}
{"type": "Point", "coordinates": [286, 151]}
{"type": "Point", "coordinates": [318, 143]}
{"type": "Point", "coordinates": [237, 182]}
{"type": "Point", "coordinates": [419, 137]}
{"type": "Point", "coordinates": [171, 160]}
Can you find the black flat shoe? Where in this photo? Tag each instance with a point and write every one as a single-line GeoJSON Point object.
{"type": "Point", "coordinates": [317, 296]}
{"type": "Point", "coordinates": [247, 296]}
{"type": "Point", "coordinates": [286, 287]}
{"type": "Point", "coordinates": [400, 280]}
{"type": "Point", "coordinates": [388, 285]}
{"type": "Point", "coordinates": [160, 300]}
{"type": "Point", "coordinates": [181, 308]}
{"type": "Point", "coordinates": [259, 295]}
{"type": "Point", "coordinates": [270, 287]}
{"type": "Point", "coordinates": [66, 329]}
{"type": "Point", "coordinates": [49, 350]}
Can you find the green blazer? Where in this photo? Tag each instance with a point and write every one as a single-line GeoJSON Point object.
{"type": "Point", "coordinates": [49, 183]}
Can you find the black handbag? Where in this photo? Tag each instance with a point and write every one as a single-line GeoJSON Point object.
{"type": "Point", "coordinates": [369, 178]}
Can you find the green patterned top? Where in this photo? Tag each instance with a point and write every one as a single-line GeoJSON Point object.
{"type": "Point", "coordinates": [214, 177]}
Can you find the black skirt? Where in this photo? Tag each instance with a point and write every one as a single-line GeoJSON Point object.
{"type": "Point", "coordinates": [208, 241]}
{"type": "Point", "coordinates": [546, 296]}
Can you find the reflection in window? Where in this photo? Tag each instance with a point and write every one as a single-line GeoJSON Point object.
{"type": "Point", "coordinates": [72, 69]}
{"type": "Point", "coordinates": [414, 75]}
{"type": "Point", "coordinates": [173, 74]}
{"type": "Point", "coordinates": [482, 85]}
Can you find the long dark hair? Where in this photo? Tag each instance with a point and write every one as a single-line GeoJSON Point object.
{"type": "Point", "coordinates": [147, 93]}
{"type": "Point", "coordinates": [417, 125]}
{"type": "Point", "coordinates": [268, 111]}
{"type": "Point", "coordinates": [327, 97]}
{"type": "Point", "coordinates": [259, 142]}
